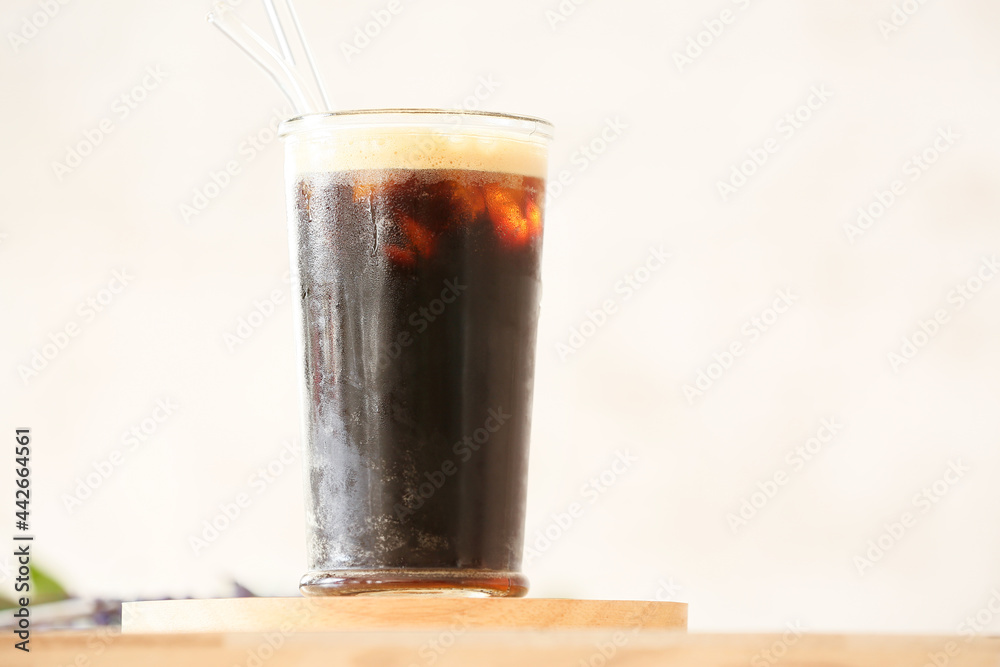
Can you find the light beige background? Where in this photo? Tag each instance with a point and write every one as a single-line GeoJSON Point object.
{"type": "Point", "coordinates": [661, 527]}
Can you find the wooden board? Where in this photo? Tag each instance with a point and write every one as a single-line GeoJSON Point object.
{"type": "Point", "coordinates": [397, 613]}
{"type": "Point", "coordinates": [520, 648]}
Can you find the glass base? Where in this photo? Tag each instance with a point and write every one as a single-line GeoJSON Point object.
{"type": "Point", "coordinates": [439, 583]}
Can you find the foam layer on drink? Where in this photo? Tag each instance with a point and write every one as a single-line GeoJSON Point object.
{"type": "Point", "coordinates": [447, 147]}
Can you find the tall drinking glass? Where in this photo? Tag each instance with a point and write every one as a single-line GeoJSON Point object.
{"type": "Point", "coordinates": [416, 237]}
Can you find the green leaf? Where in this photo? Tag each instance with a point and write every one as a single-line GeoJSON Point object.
{"type": "Point", "coordinates": [44, 588]}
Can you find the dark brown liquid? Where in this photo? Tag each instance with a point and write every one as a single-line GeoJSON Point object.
{"type": "Point", "coordinates": [420, 302]}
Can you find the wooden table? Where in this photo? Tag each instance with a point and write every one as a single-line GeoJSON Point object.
{"type": "Point", "coordinates": [505, 648]}
{"type": "Point", "coordinates": [446, 632]}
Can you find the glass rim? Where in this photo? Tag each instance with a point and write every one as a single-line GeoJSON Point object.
{"type": "Point", "coordinates": [531, 126]}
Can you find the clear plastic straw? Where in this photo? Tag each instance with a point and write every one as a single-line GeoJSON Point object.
{"type": "Point", "coordinates": [288, 80]}
{"type": "Point", "coordinates": [279, 32]}
{"type": "Point", "coordinates": [305, 48]}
